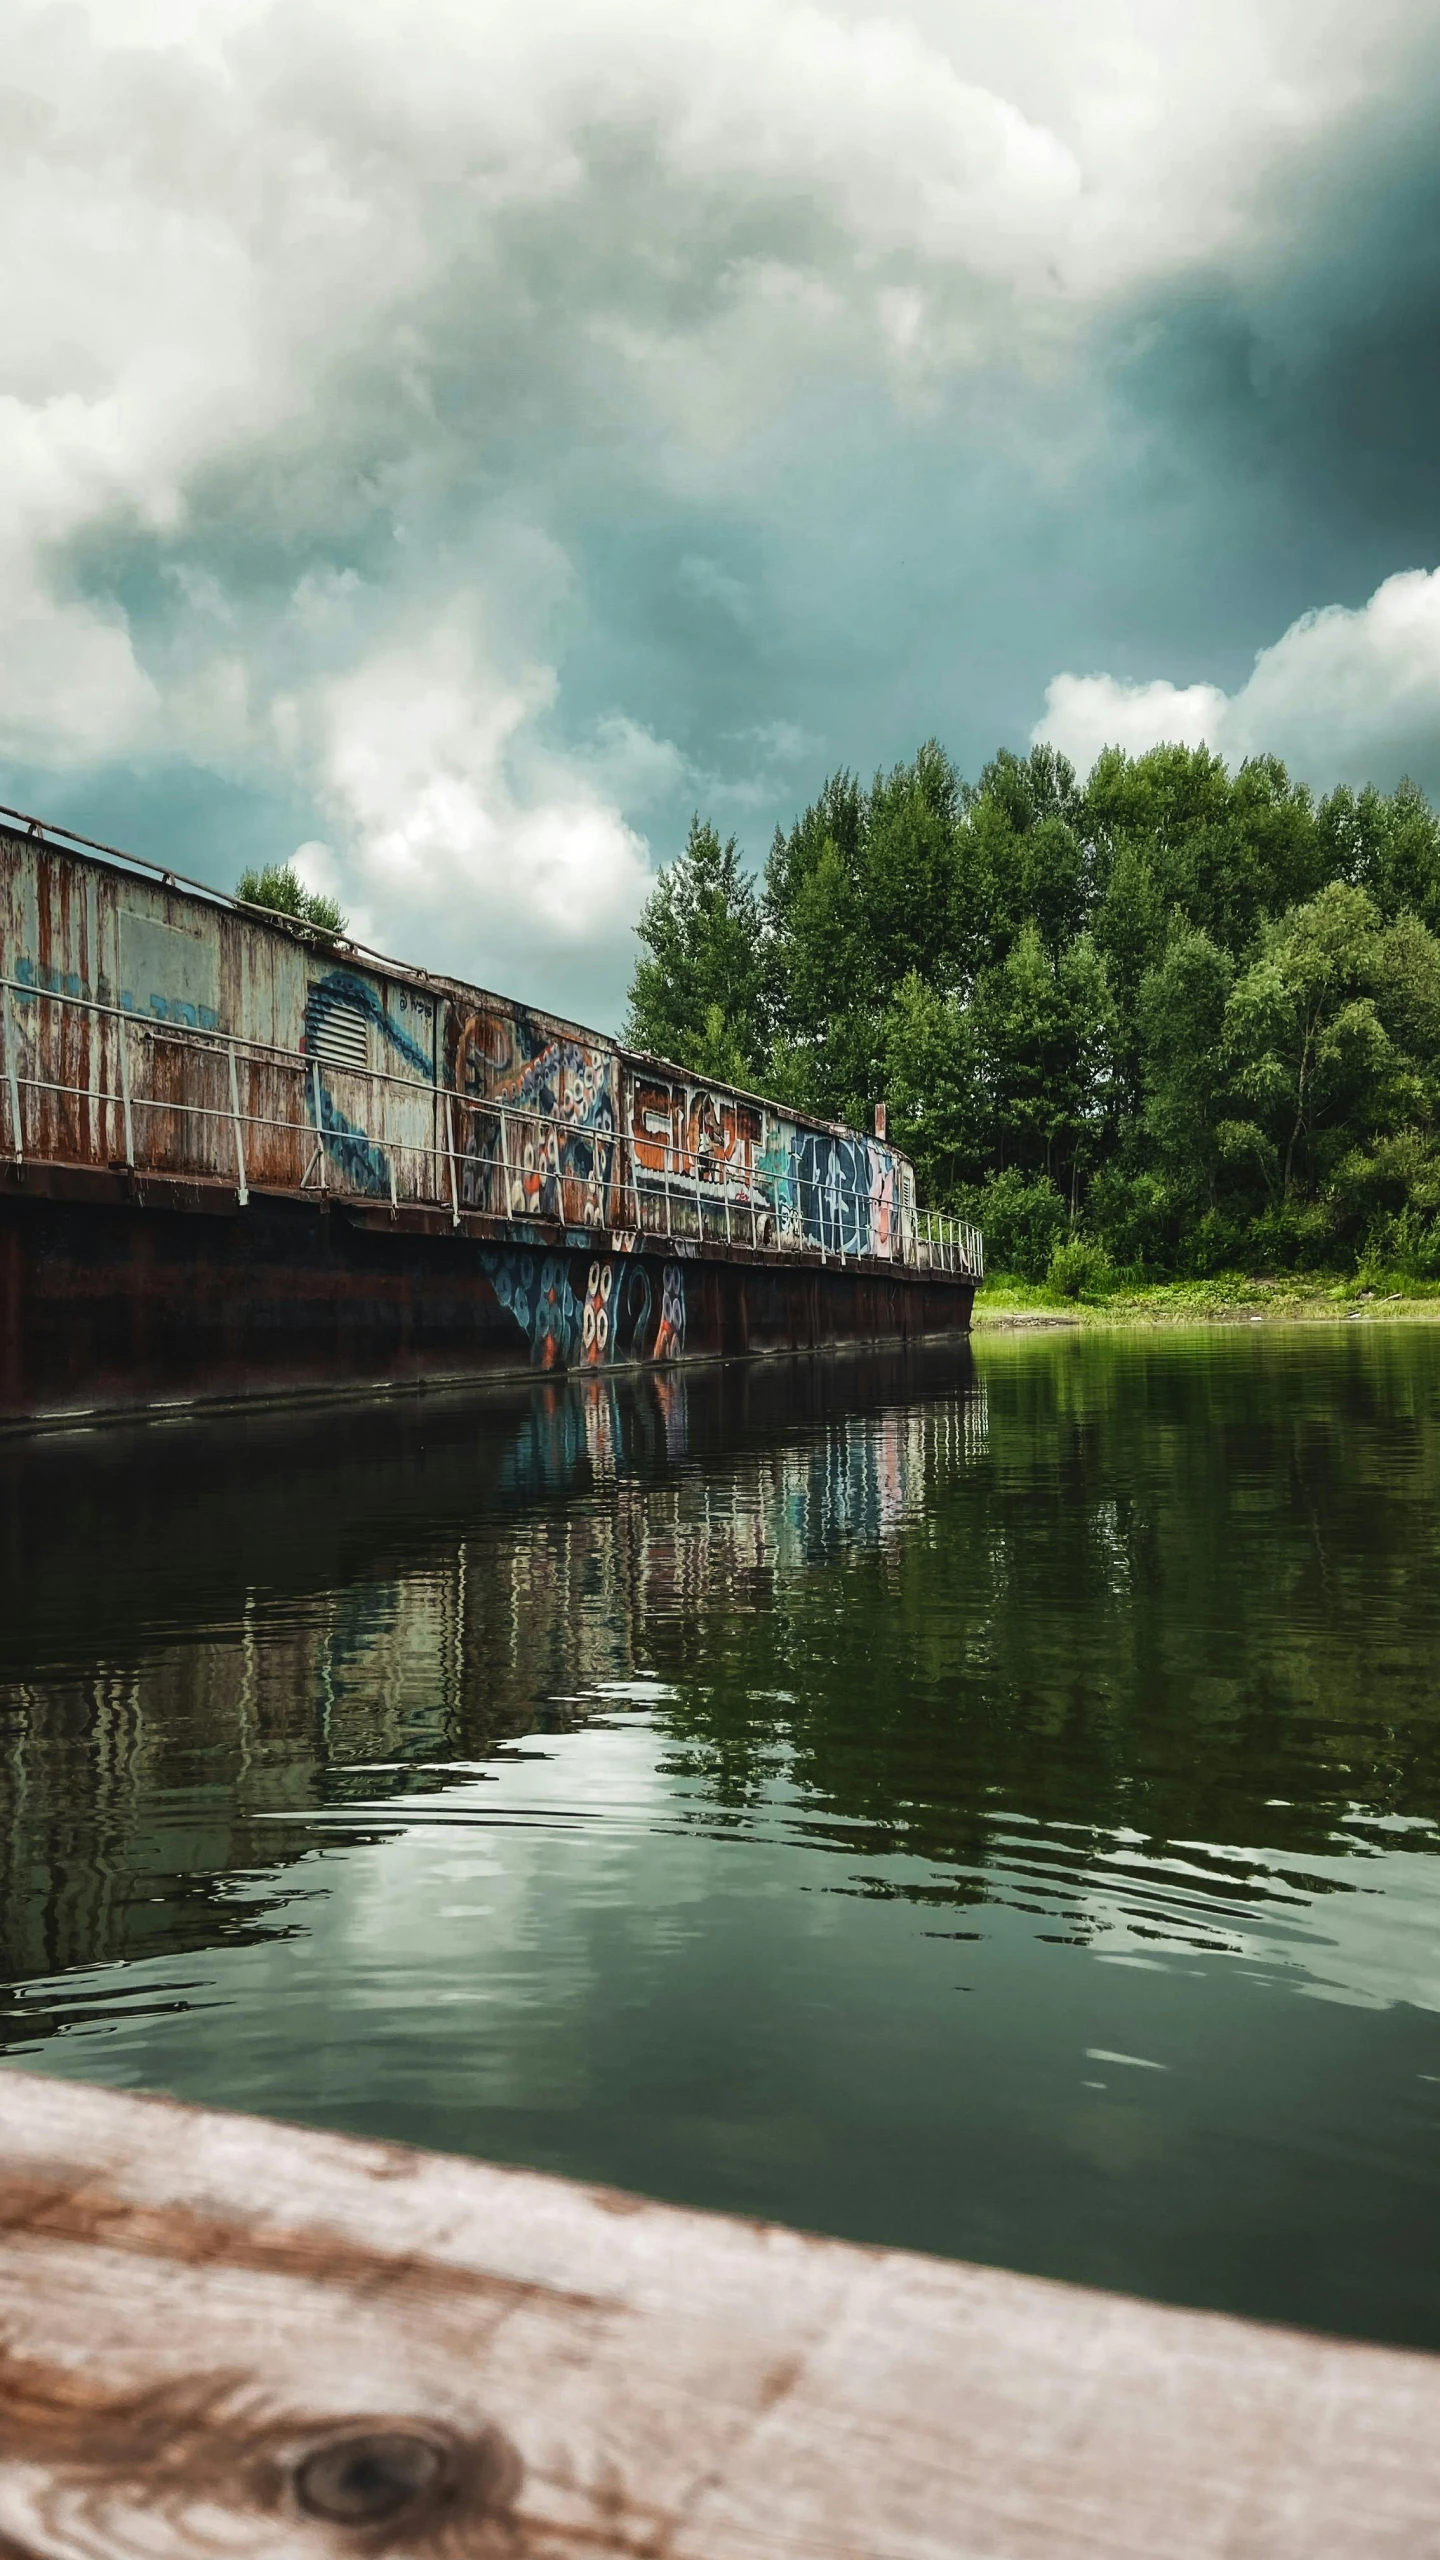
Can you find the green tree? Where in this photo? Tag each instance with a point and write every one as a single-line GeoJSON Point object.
{"type": "Point", "coordinates": [1023, 857]}
{"type": "Point", "coordinates": [1226, 850]}
{"type": "Point", "coordinates": [1307, 1051]}
{"type": "Point", "coordinates": [933, 1087]}
{"type": "Point", "coordinates": [1388, 844]}
{"type": "Point", "coordinates": [280, 888]}
{"type": "Point", "coordinates": [1181, 1012]}
{"type": "Point", "coordinates": [863, 892]}
{"type": "Point", "coordinates": [699, 995]}
{"type": "Point", "coordinates": [906, 873]}
{"type": "Point", "coordinates": [1046, 1029]}
{"type": "Point", "coordinates": [827, 1015]}
{"type": "Point", "coordinates": [1130, 935]}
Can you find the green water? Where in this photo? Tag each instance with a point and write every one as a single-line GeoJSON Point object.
{"type": "Point", "coordinates": [985, 1807]}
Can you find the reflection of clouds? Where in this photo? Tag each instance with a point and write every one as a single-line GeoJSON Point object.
{"type": "Point", "coordinates": [1360, 1925]}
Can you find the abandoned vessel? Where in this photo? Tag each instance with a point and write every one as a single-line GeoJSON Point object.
{"type": "Point", "coordinates": [245, 1157]}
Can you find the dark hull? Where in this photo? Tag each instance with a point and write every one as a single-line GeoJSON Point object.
{"type": "Point", "coordinates": [116, 1297]}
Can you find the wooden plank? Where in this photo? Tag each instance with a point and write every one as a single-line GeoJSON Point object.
{"type": "Point", "coordinates": [225, 2337]}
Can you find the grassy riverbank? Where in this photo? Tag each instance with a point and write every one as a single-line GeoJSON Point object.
{"type": "Point", "coordinates": [1231, 1297]}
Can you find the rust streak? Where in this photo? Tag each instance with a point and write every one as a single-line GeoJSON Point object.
{"type": "Point", "coordinates": [78, 2211]}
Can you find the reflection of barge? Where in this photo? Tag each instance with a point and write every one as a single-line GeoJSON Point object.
{"type": "Point", "coordinates": [245, 1157]}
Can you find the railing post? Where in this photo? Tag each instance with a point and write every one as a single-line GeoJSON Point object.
{"type": "Point", "coordinates": [11, 1077]}
{"type": "Point", "coordinates": [454, 1176]}
{"type": "Point", "coordinates": [319, 1123]}
{"type": "Point", "coordinates": [505, 1202]}
{"type": "Point", "coordinates": [234, 1114]}
{"type": "Point", "coordinates": [122, 1028]}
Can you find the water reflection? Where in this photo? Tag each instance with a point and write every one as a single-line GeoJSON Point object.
{"type": "Point", "coordinates": [990, 1806]}
{"type": "Point", "coordinates": [206, 1627]}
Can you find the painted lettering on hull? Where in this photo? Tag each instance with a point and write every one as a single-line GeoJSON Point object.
{"type": "Point", "coordinates": [587, 1312]}
{"type": "Point", "coordinates": [546, 1147]}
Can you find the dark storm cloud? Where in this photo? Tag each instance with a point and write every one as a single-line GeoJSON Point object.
{"type": "Point", "coordinates": [1310, 368]}
{"type": "Point", "coordinates": [465, 456]}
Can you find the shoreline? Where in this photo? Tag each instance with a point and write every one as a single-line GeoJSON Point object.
{"type": "Point", "coordinates": [1011, 1306]}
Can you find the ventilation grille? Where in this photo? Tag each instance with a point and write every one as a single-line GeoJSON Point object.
{"type": "Point", "coordinates": [335, 1032]}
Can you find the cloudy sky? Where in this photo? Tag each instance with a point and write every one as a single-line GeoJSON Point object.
{"type": "Point", "coordinates": [455, 440]}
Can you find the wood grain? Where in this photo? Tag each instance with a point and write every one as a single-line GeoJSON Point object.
{"type": "Point", "coordinates": [221, 2336]}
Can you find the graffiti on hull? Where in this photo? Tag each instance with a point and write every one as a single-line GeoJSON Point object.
{"type": "Point", "coordinates": [843, 1191]}
{"type": "Point", "coordinates": [704, 1149]}
{"type": "Point", "coordinates": [586, 1312]}
{"type": "Point", "coordinates": [714, 1164]}
{"type": "Point", "coordinates": [546, 1148]}
{"type": "Point", "coordinates": [342, 1010]}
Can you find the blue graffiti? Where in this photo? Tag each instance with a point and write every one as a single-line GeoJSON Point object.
{"type": "Point", "coordinates": [357, 1160]}
{"type": "Point", "coordinates": [558, 1128]}
{"type": "Point", "coordinates": [586, 1311]}
{"type": "Point", "coordinates": [831, 1178]}
{"type": "Point", "coordinates": [355, 995]}
{"type": "Point", "coordinates": [537, 1291]}
{"type": "Point", "coordinates": [37, 976]}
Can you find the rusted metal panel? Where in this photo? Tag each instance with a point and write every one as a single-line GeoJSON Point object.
{"type": "Point", "coordinates": [539, 1115]}
{"type": "Point", "coordinates": [178, 1035]}
{"type": "Point", "coordinates": [110, 1303]}
{"type": "Point", "coordinates": [697, 1157]}
{"type": "Point", "coordinates": [116, 982]}
{"type": "Point", "coordinates": [710, 1162]}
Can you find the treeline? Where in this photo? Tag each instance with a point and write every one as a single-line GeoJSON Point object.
{"type": "Point", "coordinates": [1170, 1018]}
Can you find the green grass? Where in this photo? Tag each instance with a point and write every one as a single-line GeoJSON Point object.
{"type": "Point", "coordinates": [1230, 1297]}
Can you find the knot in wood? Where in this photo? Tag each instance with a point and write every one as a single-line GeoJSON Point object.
{"type": "Point", "coordinates": [378, 2475]}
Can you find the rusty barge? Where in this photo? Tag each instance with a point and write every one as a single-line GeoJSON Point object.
{"type": "Point", "coordinates": [243, 1157]}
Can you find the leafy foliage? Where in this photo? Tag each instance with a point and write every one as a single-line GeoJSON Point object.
{"type": "Point", "coordinates": [280, 888]}
{"type": "Point", "coordinates": [1179, 1017]}
{"type": "Point", "coordinates": [698, 996]}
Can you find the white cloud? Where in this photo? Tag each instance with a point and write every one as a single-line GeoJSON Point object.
{"type": "Point", "coordinates": [70, 688]}
{"type": "Point", "coordinates": [1343, 696]}
{"type": "Point", "coordinates": [290, 293]}
{"type": "Point", "coordinates": [456, 827]}
{"type": "Point", "coordinates": [1343, 692]}
{"type": "Point", "coordinates": [1085, 713]}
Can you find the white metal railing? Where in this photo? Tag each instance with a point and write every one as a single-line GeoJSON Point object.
{"type": "Point", "coordinates": [949, 1244]}
{"type": "Point", "coordinates": [482, 1156]}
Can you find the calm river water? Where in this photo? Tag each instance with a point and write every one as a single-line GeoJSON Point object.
{"type": "Point", "coordinates": [990, 1807]}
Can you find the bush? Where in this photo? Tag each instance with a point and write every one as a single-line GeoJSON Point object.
{"type": "Point", "coordinates": [280, 888]}
{"type": "Point", "coordinates": [1023, 1217]}
{"type": "Point", "coordinates": [1296, 1236]}
{"type": "Point", "coordinates": [1215, 1243]}
{"type": "Point", "coordinates": [1136, 1218]}
{"type": "Point", "coordinates": [1080, 1268]}
{"type": "Point", "coordinates": [1407, 1246]}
